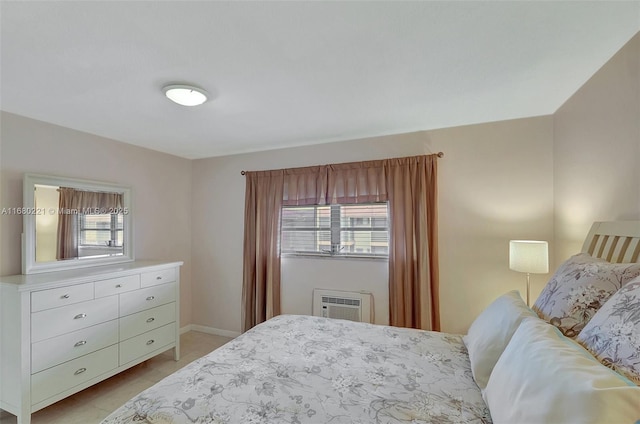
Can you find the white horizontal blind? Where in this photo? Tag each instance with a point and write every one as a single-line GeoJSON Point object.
{"type": "Point", "coordinates": [335, 230]}
{"type": "Point", "coordinates": [100, 229]}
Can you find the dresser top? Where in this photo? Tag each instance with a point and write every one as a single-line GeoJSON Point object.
{"type": "Point", "coordinates": [45, 280]}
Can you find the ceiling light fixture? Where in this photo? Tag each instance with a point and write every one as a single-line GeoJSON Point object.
{"type": "Point", "coordinates": [185, 95]}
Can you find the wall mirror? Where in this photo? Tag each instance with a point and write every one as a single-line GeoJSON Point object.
{"type": "Point", "coordinates": [70, 223]}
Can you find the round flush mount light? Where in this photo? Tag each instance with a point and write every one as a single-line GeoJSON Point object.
{"type": "Point", "coordinates": [185, 95]}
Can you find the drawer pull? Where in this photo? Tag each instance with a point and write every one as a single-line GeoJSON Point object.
{"type": "Point", "coordinates": [158, 278]}
{"type": "Point", "coordinates": [118, 286]}
{"type": "Point", "coordinates": [150, 342]}
{"type": "Point", "coordinates": [151, 319]}
{"type": "Point", "coordinates": [79, 316]}
{"type": "Point", "coordinates": [80, 343]}
{"type": "Point", "coordinates": [64, 296]}
{"type": "Point", "coordinates": [151, 297]}
{"type": "Point", "coordinates": [80, 371]}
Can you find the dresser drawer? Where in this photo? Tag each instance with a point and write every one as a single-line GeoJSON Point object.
{"type": "Point", "coordinates": [117, 285]}
{"type": "Point", "coordinates": [158, 277]}
{"type": "Point", "coordinates": [54, 322]}
{"type": "Point", "coordinates": [54, 380]}
{"type": "Point", "coordinates": [141, 322]}
{"type": "Point", "coordinates": [140, 300]}
{"type": "Point", "coordinates": [57, 350]}
{"type": "Point", "coordinates": [62, 296]}
{"type": "Point", "coordinates": [143, 344]}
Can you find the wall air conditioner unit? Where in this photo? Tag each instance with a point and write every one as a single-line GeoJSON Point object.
{"type": "Point", "coordinates": [353, 306]}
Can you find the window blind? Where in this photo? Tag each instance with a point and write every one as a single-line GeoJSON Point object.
{"type": "Point", "coordinates": [100, 229]}
{"type": "Point", "coordinates": [333, 230]}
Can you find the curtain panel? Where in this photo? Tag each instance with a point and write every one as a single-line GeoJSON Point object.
{"type": "Point", "coordinates": [408, 184]}
{"type": "Point", "coordinates": [67, 247]}
{"type": "Point", "coordinates": [413, 242]}
{"type": "Point", "coordinates": [261, 263]}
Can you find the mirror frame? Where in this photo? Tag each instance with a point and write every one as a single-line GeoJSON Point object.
{"type": "Point", "coordinates": [29, 264]}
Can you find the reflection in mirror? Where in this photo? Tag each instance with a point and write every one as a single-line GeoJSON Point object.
{"type": "Point", "coordinates": [86, 223]}
{"type": "Point", "coordinates": [74, 223]}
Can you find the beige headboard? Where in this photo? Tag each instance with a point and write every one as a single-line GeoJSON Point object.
{"type": "Point", "coordinates": [615, 241]}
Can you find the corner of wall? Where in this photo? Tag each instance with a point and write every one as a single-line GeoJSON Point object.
{"type": "Point", "coordinates": [596, 136]}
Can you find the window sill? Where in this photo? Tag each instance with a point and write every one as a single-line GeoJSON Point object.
{"type": "Point", "coordinates": [327, 256]}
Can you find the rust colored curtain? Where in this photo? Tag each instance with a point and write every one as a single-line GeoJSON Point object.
{"type": "Point", "coordinates": [79, 201]}
{"type": "Point", "coordinates": [413, 242]}
{"type": "Point", "coordinates": [261, 266]}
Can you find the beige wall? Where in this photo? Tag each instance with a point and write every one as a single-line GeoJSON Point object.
{"type": "Point", "coordinates": [301, 275]}
{"type": "Point", "coordinates": [495, 184]}
{"type": "Point", "coordinates": [47, 198]}
{"type": "Point", "coordinates": [597, 151]}
{"type": "Point", "coordinates": [161, 188]}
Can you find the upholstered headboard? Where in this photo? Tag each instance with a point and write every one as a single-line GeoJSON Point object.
{"type": "Point", "coordinates": [615, 241]}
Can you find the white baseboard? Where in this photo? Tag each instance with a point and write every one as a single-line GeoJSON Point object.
{"type": "Point", "coordinates": [209, 330]}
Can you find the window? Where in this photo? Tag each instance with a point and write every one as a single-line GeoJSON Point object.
{"type": "Point", "coordinates": [336, 230]}
{"type": "Point", "coordinates": [100, 229]}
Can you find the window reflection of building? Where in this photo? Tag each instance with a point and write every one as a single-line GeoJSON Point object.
{"type": "Point", "coordinates": [337, 229]}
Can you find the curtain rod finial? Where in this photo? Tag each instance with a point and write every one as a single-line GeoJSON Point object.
{"type": "Point", "coordinates": [242, 172]}
{"type": "Point", "coordinates": [440, 154]}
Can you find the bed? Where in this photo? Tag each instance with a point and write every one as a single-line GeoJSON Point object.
{"type": "Point", "coordinates": [310, 369]}
{"type": "Point", "coordinates": [512, 366]}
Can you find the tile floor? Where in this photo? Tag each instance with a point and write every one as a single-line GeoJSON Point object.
{"type": "Point", "coordinates": [93, 404]}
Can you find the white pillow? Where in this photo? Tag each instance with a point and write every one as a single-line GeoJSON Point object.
{"type": "Point", "coordinates": [490, 333]}
{"type": "Point", "coordinates": [544, 377]}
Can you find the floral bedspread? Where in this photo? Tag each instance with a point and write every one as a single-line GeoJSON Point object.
{"type": "Point", "coordinates": [302, 369]}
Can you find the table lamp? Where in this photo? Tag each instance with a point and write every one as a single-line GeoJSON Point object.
{"type": "Point", "coordinates": [529, 256]}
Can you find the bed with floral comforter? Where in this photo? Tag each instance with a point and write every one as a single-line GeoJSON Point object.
{"type": "Point", "coordinates": [302, 369]}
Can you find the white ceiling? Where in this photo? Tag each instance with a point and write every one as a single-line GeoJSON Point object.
{"type": "Point", "coordinates": [294, 73]}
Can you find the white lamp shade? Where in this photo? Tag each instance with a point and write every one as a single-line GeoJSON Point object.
{"type": "Point", "coordinates": [529, 256]}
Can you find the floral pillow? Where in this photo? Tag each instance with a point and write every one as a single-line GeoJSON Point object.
{"type": "Point", "coordinates": [613, 334]}
{"type": "Point", "coordinates": [578, 289]}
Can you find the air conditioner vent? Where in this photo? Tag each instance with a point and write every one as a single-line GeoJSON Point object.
{"type": "Point", "coordinates": [341, 301]}
{"type": "Point", "coordinates": [353, 306]}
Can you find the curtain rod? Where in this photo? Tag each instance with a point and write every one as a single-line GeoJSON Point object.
{"type": "Point", "coordinates": [439, 154]}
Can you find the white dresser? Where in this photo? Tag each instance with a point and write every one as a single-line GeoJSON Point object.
{"type": "Point", "coordinates": [61, 332]}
